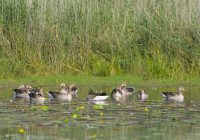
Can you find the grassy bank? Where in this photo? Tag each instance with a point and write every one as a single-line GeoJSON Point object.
{"type": "Point", "coordinates": [151, 39]}
{"type": "Point", "coordinates": [90, 81]}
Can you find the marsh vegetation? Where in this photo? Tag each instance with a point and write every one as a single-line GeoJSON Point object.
{"type": "Point", "coordinates": [98, 44]}
{"type": "Point", "coordinates": [152, 39]}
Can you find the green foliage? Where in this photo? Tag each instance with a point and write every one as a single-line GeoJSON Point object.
{"type": "Point", "coordinates": [40, 108]}
{"type": "Point", "coordinates": [152, 39]}
{"type": "Point", "coordinates": [76, 114]}
{"type": "Point", "coordinates": [98, 106]}
{"type": "Point", "coordinates": [44, 108]}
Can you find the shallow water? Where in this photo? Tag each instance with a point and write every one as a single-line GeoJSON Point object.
{"type": "Point", "coordinates": [154, 119]}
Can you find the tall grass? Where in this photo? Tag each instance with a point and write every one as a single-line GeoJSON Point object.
{"type": "Point", "coordinates": [153, 39]}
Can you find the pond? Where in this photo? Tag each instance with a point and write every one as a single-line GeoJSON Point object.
{"type": "Point", "coordinates": [153, 119]}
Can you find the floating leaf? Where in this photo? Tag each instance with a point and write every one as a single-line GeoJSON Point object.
{"type": "Point", "coordinates": [101, 121]}
{"type": "Point", "coordinates": [175, 119]}
{"type": "Point", "coordinates": [33, 108]}
{"type": "Point", "coordinates": [157, 111]}
{"type": "Point", "coordinates": [101, 113]}
{"type": "Point", "coordinates": [66, 120]}
{"type": "Point", "coordinates": [44, 108]}
{"type": "Point", "coordinates": [98, 106]}
{"type": "Point", "coordinates": [80, 108]}
{"type": "Point", "coordinates": [93, 136]}
{"type": "Point", "coordinates": [75, 116]}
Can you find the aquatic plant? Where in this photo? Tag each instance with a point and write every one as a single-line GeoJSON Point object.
{"type": "Point", "coordinates": [75, 114]}
{"type": "Point", "coordinates": [98, 107]}
{"type": "Point", "coordinates": [153, 39]}
{"type": "Point", "coordinates": [21, 131]}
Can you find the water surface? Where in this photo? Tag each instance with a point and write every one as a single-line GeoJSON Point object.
{"type": "Point", "coordinates": [154, 119]}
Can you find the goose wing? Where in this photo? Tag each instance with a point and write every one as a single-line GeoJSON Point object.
{"type": "Point", "coordinates": [18, 91]}
{"type": "Point", "coordinates": [168, 94]}
{"type": "Point", "coordinates": [130, 89]}
{"type": "Point", "coordinates": [53, 94]}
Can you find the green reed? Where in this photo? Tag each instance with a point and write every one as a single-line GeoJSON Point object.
{"type": "Point", "coordinates": [152, 39]}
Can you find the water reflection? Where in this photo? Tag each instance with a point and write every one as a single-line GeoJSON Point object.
{"type": "Point", "coordinates": [132, 119]}
{"type": "Point", "coordinates": [164, 131]}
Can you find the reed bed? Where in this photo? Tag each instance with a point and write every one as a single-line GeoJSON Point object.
{"type": "Point", "coordinates": [152, 39]}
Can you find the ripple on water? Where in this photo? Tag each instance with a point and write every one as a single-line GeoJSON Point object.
{"type": "Point", "coordinates": [140, 120]}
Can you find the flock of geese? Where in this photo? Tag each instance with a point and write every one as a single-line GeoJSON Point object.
{"type": "Point", "coordinates": [67, 93]}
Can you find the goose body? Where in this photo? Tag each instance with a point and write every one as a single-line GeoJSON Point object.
{"type": "Point", "coordinates": [73, 89]}
{"type": "Point", "coordinates": [94, 96]}
{"type": "Point", "coordinates": [142, 95]}
{"type": "Point", "coordinates": [60, 96]}
{"type": "Point", "coordinates": [121, 93]}
{"type": "Point", "coordinates": [65, 94]}
{"type": "Point", "coordinates": [22, 93]}
{"type": "Point", "coordinates": [116, 95]}
{"type": "Point", "coordinates": [37, 96]}
{"type": "Point", "coordinates": [174, 96]}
